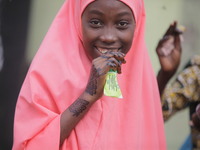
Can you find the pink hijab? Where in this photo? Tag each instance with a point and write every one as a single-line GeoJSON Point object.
{"type": "Point", "coordinates": [58, 75]}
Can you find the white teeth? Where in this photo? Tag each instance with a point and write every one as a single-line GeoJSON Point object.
{"type": "Point", "coordinates": [103, 51]}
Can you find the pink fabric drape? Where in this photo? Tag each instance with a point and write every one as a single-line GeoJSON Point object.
{"type": "Point", "coordinates": [58, 75]}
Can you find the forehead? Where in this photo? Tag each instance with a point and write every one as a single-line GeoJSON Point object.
{"type": "Point", "coordinates": [110, 6]}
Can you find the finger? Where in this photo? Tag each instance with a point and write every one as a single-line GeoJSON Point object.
{"type": "Point", "coordinates": [112, 66]}
{"type": "Point", "coordinates": [107, 65]}
{"type": "Point", "coordinates": [103, 58]}
{"type": "Point", "coordinates": [119, 56]}
{"type": "Point", "coordinates": [173, 30]}
{"type": "Point", "coordinates": [164, 51]}
{"type": "Point", "coordinates": [166, 47]}
{"type": "Point", "coordinates": [113, 60]}
{"type": "Point", "coordinates": [115, 53]}
{"type": "Point", "coordinates": [165, 39]}
{"type": "Point", "coordinates": [175, 24]}
{"type": "Point", "coordinates": [177, 43]}
{"type": "Point", "coordinates": [169, 30]}
{"type": "Point", "coordinates": [100, 59]}
{"type": "Point", "coordinates": [119, 70]}
{"type": "Point", "coordinates": [103, 68]}
{"type": "Point", "coordinates": [120, 59]}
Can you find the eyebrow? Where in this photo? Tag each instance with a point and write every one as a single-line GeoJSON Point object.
{"type": "Point", "coordinates": [124, 14]}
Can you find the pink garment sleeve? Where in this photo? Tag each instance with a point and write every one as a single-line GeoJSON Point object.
{"type": "Point", "coordinates": [37, 119]}
{"type": "Point", "coordinates": [47, 138]}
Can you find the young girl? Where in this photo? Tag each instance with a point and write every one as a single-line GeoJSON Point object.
{"type": "Point", "coordinates": [61, 104]}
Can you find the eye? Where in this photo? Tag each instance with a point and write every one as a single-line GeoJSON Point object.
{"type": "Point", "coordinates": [95, 23]}
{"type": "Point", "coordinates": [123, 24]}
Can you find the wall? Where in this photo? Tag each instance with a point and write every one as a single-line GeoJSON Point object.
{"type": "Point", "coordinates": [42, 14]}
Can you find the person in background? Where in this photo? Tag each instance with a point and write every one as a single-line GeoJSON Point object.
{"type": "Point", "coordinates": [184, 91]}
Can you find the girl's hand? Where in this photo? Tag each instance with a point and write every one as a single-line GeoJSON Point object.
{"type": "Point", "coordinates": [169, 50]}
{"type": "Point", "coordinates": [99, 69]}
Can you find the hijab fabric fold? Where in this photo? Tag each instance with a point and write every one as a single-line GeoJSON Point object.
{"type": "Point", "coordinates": [58, 75]}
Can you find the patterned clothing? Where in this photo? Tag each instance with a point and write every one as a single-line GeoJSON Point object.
{"type": "Point", "coordinates": [184, 92]}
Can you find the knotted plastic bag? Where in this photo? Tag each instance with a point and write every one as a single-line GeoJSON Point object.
{"type": "Point", "coordinates": [111, 87]}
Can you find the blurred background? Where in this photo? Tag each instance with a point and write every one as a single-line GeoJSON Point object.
{"type": "Point", "coordinates": [24, 23]}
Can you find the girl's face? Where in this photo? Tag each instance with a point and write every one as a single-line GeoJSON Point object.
{"type": "Point", "coordinates": [107, 25]}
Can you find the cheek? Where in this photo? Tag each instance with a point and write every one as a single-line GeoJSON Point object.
{"type": "Point", "coordinates": [85, 37]}
{"type": "Point", "coordinates": [88, 37]}
{"type": "Point", "coordinates": [88, 45]}
{"type": "Point", "coordinates": [129, 36]}
{"type": "Point", "coordinates": [85, 34]}
{"type": "Point", "coordinates": [127, 40]}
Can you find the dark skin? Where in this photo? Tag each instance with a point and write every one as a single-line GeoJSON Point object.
{"type": "Point", "coordinates": [195, 122]}
{"type": "Point", "coordinates": [108, 29]}
{"type": "Point", "coordinates": [169, 53]}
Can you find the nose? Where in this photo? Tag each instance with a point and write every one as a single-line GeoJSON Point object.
{"type": "Point", "coordinates": [108, 36]}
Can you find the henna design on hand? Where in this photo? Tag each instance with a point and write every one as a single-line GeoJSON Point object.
{"type": "Point", "coordinates": [78, 107]}
{"type": "Point", "coordinates": [92, 85]}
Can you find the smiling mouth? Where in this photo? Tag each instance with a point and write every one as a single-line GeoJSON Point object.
{"type": "Point", "coordinates": [105, 50]}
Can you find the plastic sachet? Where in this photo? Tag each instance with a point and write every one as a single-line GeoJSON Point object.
{"type": "Point", "coordinates": [111, 87]}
